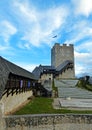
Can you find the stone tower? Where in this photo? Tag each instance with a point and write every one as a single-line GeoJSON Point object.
{"type": "Point", "coordinates": [62, 53]}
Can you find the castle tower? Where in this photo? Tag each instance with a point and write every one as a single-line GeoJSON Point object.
{"type": "Point", "coordinates": [60, 54]}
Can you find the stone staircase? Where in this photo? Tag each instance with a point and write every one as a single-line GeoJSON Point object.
{"type": "Point", "coordinates": [67, 89]}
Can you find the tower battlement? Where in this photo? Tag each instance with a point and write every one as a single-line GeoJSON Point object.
{"type": "Point", "coordinates": [64, 44]}
{"type": "Point", "coordinates": [61, 53]}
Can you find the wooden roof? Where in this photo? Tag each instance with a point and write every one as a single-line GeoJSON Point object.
{"type": "Point", "coordinates": [63, 65]}
{"type": "Point", "coordinates": [41, 69]}
{"type": "Point", "coordinates": [6, 68]}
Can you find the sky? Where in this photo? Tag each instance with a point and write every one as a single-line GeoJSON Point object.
{"type": "Point", "coordinates": [27, 28]}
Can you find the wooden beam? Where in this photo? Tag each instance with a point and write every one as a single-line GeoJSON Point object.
{"type": "Point", "coordinates": [5, 91]}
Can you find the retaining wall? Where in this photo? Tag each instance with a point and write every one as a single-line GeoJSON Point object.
{"type": "Point", "coordinates": [11, 103]}
{"type": "Point", "coordinates": [49, 122]}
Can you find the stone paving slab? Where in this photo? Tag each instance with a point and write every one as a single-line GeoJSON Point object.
{"type": "Point", "coordinates": [76, 103]}
{"type": "Point", "coordinates": [71, 103]}
{"type": "Point", "coordinates": [71, 96]}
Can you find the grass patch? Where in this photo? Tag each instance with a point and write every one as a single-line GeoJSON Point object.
{"type": "Point", "coordinates": [84, 84]}
{"type": "Point", "coordinates": [36, 106]}
{"type": "Point", "coordinates": [40, 105]}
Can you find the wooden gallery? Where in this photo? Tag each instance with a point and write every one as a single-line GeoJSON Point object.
{"type": "Point", "coordinates": [16, 85]}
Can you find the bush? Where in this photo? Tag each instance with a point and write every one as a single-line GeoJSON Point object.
{"type": "Point", "coordinates": [82, 83]}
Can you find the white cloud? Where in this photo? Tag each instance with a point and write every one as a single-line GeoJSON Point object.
{"type": "Point", "coordinates": [83, 7]}
{"type": "Point", "coordinates": [30, 67]}
{"type": "Point", "coordinates": [80, 34]}
{"type": "Point", "coordinates": [79, 69]}
{"type": "Point", "coordinates": [82, 70]}
{"type": "Point", "coordinates": [85, 46]}
{"type": "Point", "coordinates": [81, 55]}
{"type": "Point", "coordinates": [3, 48]}
{"type": "Point", "coordinates": [24, 11]}
{"type": "Point", "coordinates": [25, 46]}
{"type": "Point", "coordinates": [37, 27]}
{"type": "Point", "coordinates": [83, 61]}
{"type": "Point", "coordinates": [7, 30]}
{"type": "Point", "coordinates": [78, 31]}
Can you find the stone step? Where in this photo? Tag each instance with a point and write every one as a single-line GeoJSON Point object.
{"type": "Point", "coordinates": [67, 88]}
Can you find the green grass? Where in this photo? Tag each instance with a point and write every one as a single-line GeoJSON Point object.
{"type": "Point", "coordinates": [84, 84]}
{"type": "Point", "coordinates": [42, 105]}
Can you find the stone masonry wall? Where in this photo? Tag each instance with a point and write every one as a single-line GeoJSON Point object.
{"type": "Point", "coordinates": [49, 122]}
{"type": "Point", "coordinates": [46, 77]}
{"type": "Point", "coordinates": [60, 54]}
{"type": "Point", "coordinates": [68, 74]}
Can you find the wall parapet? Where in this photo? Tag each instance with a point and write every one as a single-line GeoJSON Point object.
{"type": "Point", "coordinates": [46, 119]}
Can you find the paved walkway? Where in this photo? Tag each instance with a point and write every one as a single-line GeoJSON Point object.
{"type": "Point", "coordinates": [78, 104]}
{"type": "Point", "coordinates": [72, 97]}
{"type": "Point", "coordinates": [67, 88]}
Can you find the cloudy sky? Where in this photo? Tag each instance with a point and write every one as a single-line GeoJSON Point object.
{"type": "Point", "coordinates": [27, 28]}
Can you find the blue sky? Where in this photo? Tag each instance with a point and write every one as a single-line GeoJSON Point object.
{"type": "Point", "coordinates": [27, 28]}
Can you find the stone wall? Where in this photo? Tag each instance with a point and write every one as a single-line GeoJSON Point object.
{"type": "Point", "coordinates": [59, 54]}
{"type": "Point", "coordinates": [49, 122]}
{"type": "Point", "coordinates": [46, 77]}
{"type": "Point", "coordinates": [11, 103]}
{"type": "Point", "coordinates": [67, 74]}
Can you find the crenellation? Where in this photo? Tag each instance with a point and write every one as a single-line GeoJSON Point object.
{"type": "Point", "coordinates": [62, 53]}
{"type": "Point", "coordinates": [71, 45]}
{"type": "Point", "coordinates": [64, 45]}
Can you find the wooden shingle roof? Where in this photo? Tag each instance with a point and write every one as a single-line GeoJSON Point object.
{"type": "Point", "coordinates": [63, 65]}
{"type": "Point", "coordinates": [6, 68]}
{"type": "Point", "coordinates": [40, 69]}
